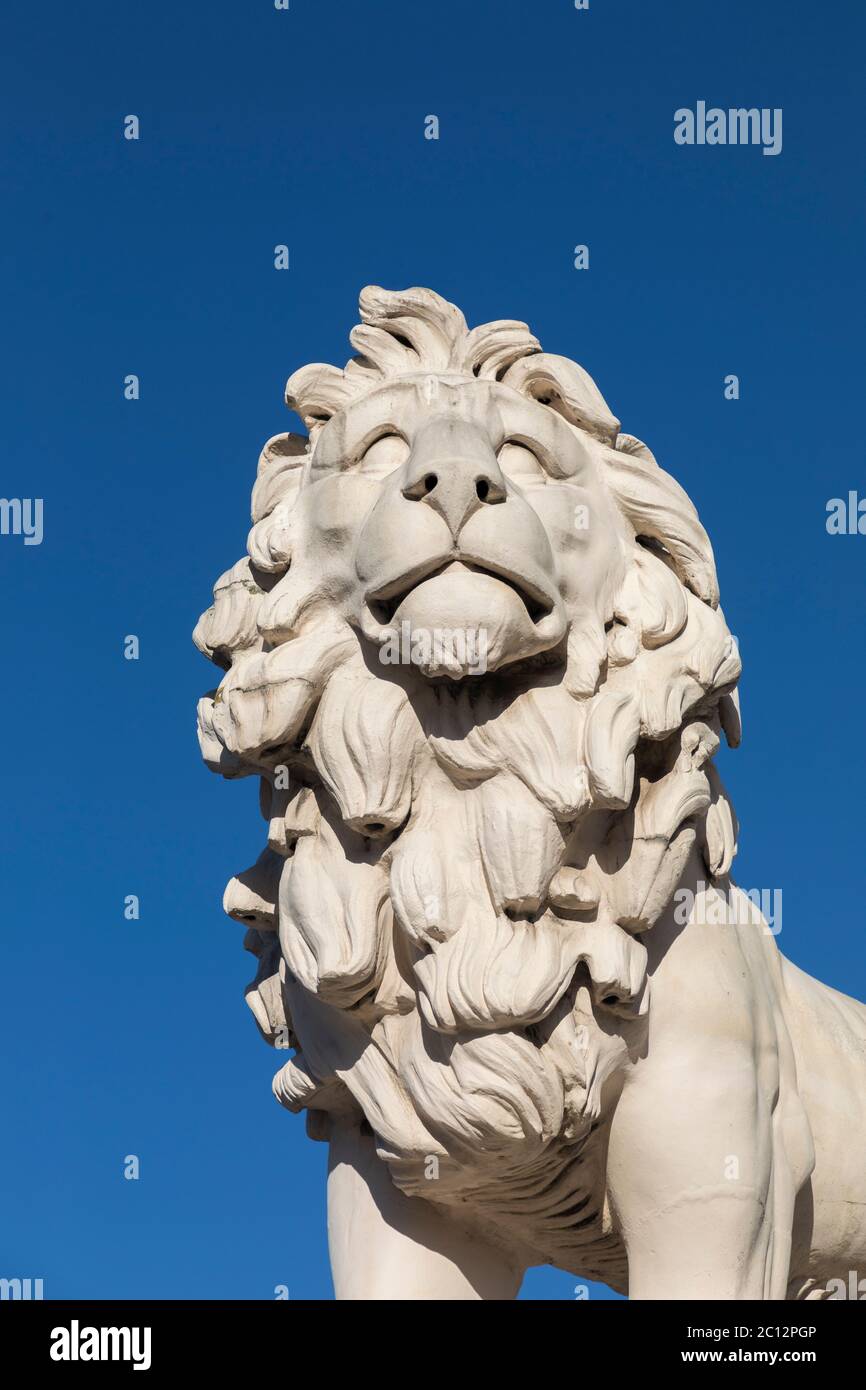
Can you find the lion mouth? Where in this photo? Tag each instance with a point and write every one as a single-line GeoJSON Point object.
{"type": "Point", "coordinates": [385, 601]}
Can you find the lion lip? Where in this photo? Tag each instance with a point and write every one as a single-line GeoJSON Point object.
{"type": "Point", "coordinates": [386, 599]}
{"type": "Point", "coordinates": [395, 590]}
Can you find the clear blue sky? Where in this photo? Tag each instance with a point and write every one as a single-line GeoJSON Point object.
{"type": "Point", "coordinates": [260, 127]}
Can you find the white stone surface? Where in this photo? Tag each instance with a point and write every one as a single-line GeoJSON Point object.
{"type": "Point", "coordinates": [475, 656]}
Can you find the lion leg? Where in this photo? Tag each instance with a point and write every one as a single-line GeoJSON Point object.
{"type": "Point", "coordinates": [699, 1175]}
{"type": "Point", "coordinates": [385, 1245]}
{"type": "Point", "coordinates": [690, 1233]}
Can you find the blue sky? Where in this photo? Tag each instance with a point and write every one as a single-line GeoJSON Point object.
{"type": "Point", "coordinates": [155, 257]}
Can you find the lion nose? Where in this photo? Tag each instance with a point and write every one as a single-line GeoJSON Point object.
{"type": "Point", "coordinates": [455, 482]}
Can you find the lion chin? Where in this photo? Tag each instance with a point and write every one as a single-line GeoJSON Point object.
{"type": "Point", "coordinates": [476, 659]}
{"type": "Point", "coordinates": [462, 621]}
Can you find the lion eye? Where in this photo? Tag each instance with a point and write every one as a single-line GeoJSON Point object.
{"type": "Point", "coordinates": [520, 465]}
{"type": "Point", "coordinates": [388, 452]}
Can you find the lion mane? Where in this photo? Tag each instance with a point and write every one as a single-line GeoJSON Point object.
{"type": "Point", "coordinates": [460, 869]}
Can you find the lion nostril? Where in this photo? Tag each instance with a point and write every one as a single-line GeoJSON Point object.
{"type": "Point", "coordinates": [421, 487]}
{"type": "Point", "coordinates": [482, 488]}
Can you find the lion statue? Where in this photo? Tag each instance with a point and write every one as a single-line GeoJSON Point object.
{"type": "Point", "coordinates": [476, 658]}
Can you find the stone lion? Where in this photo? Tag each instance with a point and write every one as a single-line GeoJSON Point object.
{"type": "Point", "coordinates": [476, 658]}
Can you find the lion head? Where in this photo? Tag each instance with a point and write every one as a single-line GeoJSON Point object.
{"type": "Point", "coordinates": [475, 656]}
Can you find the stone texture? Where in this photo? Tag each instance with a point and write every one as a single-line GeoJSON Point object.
{"type": "Point", "coordinates": [476, 658]}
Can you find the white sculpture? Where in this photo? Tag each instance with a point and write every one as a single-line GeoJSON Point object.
{"type": "Point", "coordinates": [477, 660]}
